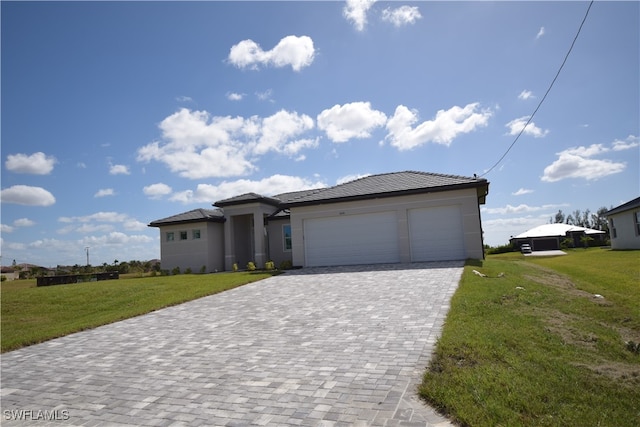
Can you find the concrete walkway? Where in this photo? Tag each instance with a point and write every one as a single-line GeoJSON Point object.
{"type": "Point", "coordinates": [316, 347]}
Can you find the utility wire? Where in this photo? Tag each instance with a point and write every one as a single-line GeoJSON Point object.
{"type": "Point", "coordinates": [546, 93]}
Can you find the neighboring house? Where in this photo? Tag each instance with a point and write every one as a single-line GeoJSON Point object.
{"type": "Point", "coordinates": [624, 225]}
{"type": "Point", "coordinates": [550, 236]}
{"type": "Point", "coordinates": [387, 218]}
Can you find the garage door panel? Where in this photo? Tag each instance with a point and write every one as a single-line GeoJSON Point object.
{"type": "Point", "coordinates": [351, 239]}
{"type": "Point", "coordinates": [436, 234]}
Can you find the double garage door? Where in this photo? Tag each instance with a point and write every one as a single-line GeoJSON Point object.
{"type": "Point", "coordinates": [435, 234]}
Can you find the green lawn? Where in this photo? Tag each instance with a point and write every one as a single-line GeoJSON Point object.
{"type": "Point", "coordinates": [536, 347]}
{"type": "Point", "coordinates": [30, 314]}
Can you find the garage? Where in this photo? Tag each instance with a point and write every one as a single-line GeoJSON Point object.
{"type": "Point", "coordinates": [352, 239]}
{"type": "Point", "coordinates": [436, 234]}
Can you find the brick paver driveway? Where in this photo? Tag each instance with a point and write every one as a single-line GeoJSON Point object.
{"type": "Point", "coordinates": [314, 347]}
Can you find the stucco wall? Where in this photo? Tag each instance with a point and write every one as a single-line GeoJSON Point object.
{"type": "Point", "coordinates": [193, 253]}
{"type": "Point", "coordinates": [626, 233]}
{"type": "Point", "coordinates": [466, 199]}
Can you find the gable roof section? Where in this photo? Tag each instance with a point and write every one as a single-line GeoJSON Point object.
{"type": "Point", "coordinates": [635, 203]}
{"type": "Point", "coordinates": [555, 230]}
{"type": "Point", "coordinates": [388, 185]}
{"type": "Point", "coordinates": [196, 215]}
{"type": "Point", "coordinates": [247, 198]}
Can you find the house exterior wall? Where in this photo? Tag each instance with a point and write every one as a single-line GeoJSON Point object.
{"type": "Point", "coordinates": [275, 232]}
{"type": "Point", "coordinates": [193, 252]}
{"type": "Point", "coordinates": [626, 234]}
{"type": "Point", "coordinates": [465, 199]}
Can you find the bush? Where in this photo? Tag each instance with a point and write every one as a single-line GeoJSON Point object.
{"type": "Point", "coordinates": [269, 265]}
{"type": "Point", "coordinates": [203, 269]}
{"type": "Point", "coordinates": [235, 266]}
{"type": "Point", "coordinates": [286, 265]}
{"type": "Point", "coordinates": [188, 271]}
{"type": "Point", "coordinates": [175, 271]}
{"type": "Point", "coordinates": [251, 266]}
{"type": "Point", "coordinates": [500, 249]}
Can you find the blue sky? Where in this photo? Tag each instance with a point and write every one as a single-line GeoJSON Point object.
{"type": "Point", "coordinates": [115, 114]}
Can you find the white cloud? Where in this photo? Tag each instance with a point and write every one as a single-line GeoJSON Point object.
{"type": "Point", "coordinates": [526, 94]}
{"type": "Point", "coordinates": [23, 222]}
{"type": "Point", "coordinates": [265, 96]}
{"type": "Point", "coordinates": [184, 99]}
{"type": "Point", "coordinates": [515, 127]}
{"type": "Point", "coordinates": [156, 191]}
{"type": "Point", "coordinates": [522, 192]}
{"type": "Point", "coordinates": [105, 192]}
{"type": "Point", "coordinates": [298, 52]}
{"type": "Point", "coordinates": [401, 16]}
{"type": "Point", "coordinates": [36, 163]}
{"type": "Point", "coordinates": [354, 120]}
{"type": "Point", "coordinates": [348, 178]}
{"type": "Point", "coordinates": [99, 222]}
{"type": "Point", "coordinates": [232, 96]}
{"type": "Point", "coordinates": [276, 184]}
{"type": "Point", "coordinates": [630, 142]}
{"type": "Point", "coordinates": [81, 165]}
{"type": "Point", "coordinates": [576, 163]}
{"type": "Point", "coordinates": [27, 195]}
{"type": "Point", "coordinates": [200, 146]}
{"type": "Point", "coordinates": [520, 209]}
{"type": "Point", "coordinates": [278, 129]}
{"type": "Point", "coordinates": [98, 217]}
{"type": "Point", "coordinates": [115, 238]}
{"type": "Point", "coordinates": [4, 228]}
{"type": "Point", "coordinates": [443, 129]}
{"type": "Point", "coordinates": [541, 32]}
{"type": "Point", "coordinates": [355, 11]}
{"type": "Point", "coordinates": [119, 170]}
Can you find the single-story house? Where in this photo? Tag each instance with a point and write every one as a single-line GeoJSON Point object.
{"type": "Point", "coordinates": [395, 217]}
{"type": "Point", "coordinates": [624, 225]}
{"type": "Point", "coordinates": [550, 236]}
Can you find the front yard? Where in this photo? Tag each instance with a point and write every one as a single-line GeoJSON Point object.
{"type": "Point", "coordinates": [550, 341]}
{"type": "Point", "coordinates": [30, 315]}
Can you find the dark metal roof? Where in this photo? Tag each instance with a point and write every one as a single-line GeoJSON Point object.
{"type": "Point", "coordinates": [388, 185]}
{"type": "Point", "coordinates": [196, 215]}
{"type": "Point", "coordinates": [247, 198]}
{"type": "Point", "coordinates": [635, 203]}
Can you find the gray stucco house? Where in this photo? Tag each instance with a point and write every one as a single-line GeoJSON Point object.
{"type": "Point", "coordinates": [395, 217]}
{"type": "Point", "coordinates": [624, 225]}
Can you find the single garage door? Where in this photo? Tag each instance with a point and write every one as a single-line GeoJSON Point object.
{"type": "Point", "coordinates": [436, 234]}
{"type": "Point", "coordinates": [351, 239]}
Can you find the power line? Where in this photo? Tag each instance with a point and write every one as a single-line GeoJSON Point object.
{"type": "Point", "coordinates": [545, 94]}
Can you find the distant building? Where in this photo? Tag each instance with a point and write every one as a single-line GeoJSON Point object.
{"type": "Point", "coordinates": [549, 237]}
{"type": "Point", "coordinates": [624, 225]}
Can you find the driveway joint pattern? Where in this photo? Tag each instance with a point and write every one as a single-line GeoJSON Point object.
{"type": "Point", "coordinates": [339, 346]}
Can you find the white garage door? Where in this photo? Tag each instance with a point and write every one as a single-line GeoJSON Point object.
{"type": "Point", "coordinates": [436, 234]}
{"type": "Point", "coordinates": [351, 239]}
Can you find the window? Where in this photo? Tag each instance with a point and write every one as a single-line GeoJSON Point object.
{"type": "Point", "coordinates": [195, 234]}
{"type": "Point", "coordinates": [183, 235]}
{"type": "Point", "coordinates": [170, 236]}
{"type": "Point", "coordinates": [636, 219]}
{"type": "Point", "coordinates": [286, 237]}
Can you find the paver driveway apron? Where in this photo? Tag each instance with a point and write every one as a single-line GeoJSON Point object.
{"type": "Point", "coordinates": [339, 346]}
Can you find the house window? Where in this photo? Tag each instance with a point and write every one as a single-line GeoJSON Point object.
{"type": "Point", "coordinates": [636, 219]}
{"type": "Point", "coordinates": [612, 227]}
{"type": "Point", "coordinates": [183, 235]}
{"type": "Point", "coordinates": [286, 237]}
{"type": "Point", "coordinates": [170, 236]}
{"type": "Point", "coordinates": [196, 234]}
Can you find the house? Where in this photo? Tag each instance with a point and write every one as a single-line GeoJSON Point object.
{"type": "Point", "coordinates": [624, 225]}
{"type": "Point", "coordinates": [551, 236]}
{"type": "Point", "coordinates": [395, 217]}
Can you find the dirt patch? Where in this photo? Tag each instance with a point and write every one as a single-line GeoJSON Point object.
{"type": "Point", "coordinates": [625, 374]}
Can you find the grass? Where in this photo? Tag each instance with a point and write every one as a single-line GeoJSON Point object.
{"type": "Point", "coordinates": [535, 347]}
{"type": "Point", "coordinates": [31, 314]}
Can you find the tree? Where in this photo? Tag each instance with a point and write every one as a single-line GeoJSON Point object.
{"type": "Point", "coordinates": [559, 217]}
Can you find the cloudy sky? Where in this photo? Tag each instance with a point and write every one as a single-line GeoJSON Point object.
{"type": "Point", "coordinates": [117, 114]}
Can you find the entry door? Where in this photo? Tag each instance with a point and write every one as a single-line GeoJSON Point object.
{"type": "Point", "coordinates": [352, 239]}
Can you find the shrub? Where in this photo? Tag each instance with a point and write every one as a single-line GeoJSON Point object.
{"type": "Point", "coordinates": [251, 266]}
{"type": "Point", "coordinates": [286, 265]}
{"type": "Point", "coordinates": [203, 269]}
{"type": "Point", "coordinates": [188, 271]}
{"type": "Point", "coordinates": [175, 271]}
{"type": "Point", "coordinates": [3, 278]}
{"type": "Point", "coordinates": [500, 249]}
{"type": "Point", "coordinates": [269, 265]}
{"type": "Point", "coordinates": [235, 266]}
